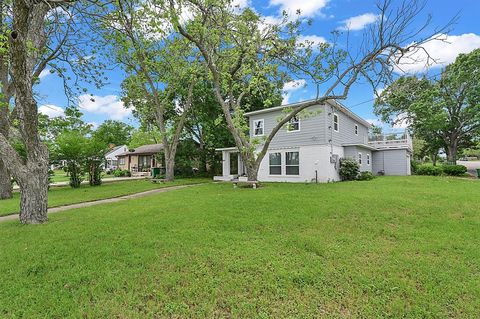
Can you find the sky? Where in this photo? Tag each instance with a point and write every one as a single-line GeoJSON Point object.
{"type": "Point", "coordinates": [326, 16]}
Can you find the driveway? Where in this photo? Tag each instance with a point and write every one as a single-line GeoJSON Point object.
{"type": "Point", "coordinates": [472, 166]}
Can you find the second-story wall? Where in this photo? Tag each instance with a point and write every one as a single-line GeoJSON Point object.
{"type": "Point", "coordinates": [312, 129]}
{"type": "Point", "coordinates": [346, 128]}
{"type": "Point", "coordinates": [315, 129]}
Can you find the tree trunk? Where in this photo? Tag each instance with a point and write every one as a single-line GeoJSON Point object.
{"type": "Point", "coordinates": [34, 194]}
{"type": "Point", "coordinates": [434, 159]}
{"type": "Point", "coordinates": [452, 153]}
{"type": "Point", "coordinates": [169, 169]}
{"type": "Point", "coordinates": [252, 172]}
{"type": "Point", "coordinates": [5, 182]}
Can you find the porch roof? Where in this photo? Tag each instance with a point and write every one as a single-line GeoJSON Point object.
{"type": "Point", "coordinates": [144, 150]}
{"type": "Point", "coordinates": [233, 148]}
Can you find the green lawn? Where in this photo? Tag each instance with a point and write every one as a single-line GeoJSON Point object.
{"type": "Point", "coordinates": [392, 247]}
{"type": "Point", "coordinates": [59, 176]}
{"type": "Point", "coordinates": [59, 196]}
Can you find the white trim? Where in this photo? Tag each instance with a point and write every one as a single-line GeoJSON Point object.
{"type": "Point", "coordinates": [338, 123]}
{"type": "Point", "coordinates": [255, 127]}
{"type": "Point", "coordinates": [281, 164]}
{"type": "Point", "coordinates": [293, 131]}
{"type": "Point", "coordinates": [355, 128]}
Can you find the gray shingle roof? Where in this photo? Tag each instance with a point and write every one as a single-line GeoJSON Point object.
{"type": "Point", "coordinates": [144, 149]}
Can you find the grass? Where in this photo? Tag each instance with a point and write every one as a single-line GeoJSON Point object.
{"type": "Point", "coordinates": [59, 196]}
{"type": "Point", "coordinates": [391, 247]}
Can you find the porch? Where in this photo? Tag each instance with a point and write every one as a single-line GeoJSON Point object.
{"type": "Point", "coordinates": [391, 141]}
{"type": "Point", "coordinates": [232, 165]}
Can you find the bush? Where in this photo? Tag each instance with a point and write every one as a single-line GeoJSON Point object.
{"type": "Point", "coordinates": [414, 165]}
{"type": "Point", "coordinates": [454, 170]}
{"type": "Point", "coordinates": [428, 169]}
{"type": "Point", "coordinates": [349, 169]}
{"type": "Point", "coordinates": [365, 176]}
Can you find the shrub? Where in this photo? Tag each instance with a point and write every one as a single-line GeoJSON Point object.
{"type": "Point", "coordinates": [414, 165]}
{"type": "Point", "coordinates": [349, 169]}
{"type": "Point", "coordinates": [454, 170]}
{"type": "Point", "coordinates": [365, 176]}
{"type": "Point", "coordinates": [117, 173]}
{"type": "Point", "coordinates": [428, 169]}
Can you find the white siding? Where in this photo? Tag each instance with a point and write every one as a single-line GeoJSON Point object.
{"type": "Point", "coordinates": [312, 158]}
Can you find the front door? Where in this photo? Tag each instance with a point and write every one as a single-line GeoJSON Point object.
{"type": "Point", "coordinates": [233, 163]}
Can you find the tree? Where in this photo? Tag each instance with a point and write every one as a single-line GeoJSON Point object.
{"type": "Point", "coordinates": [245, 56]}
{"type": "Point", "coordinates": [36, 35]}
{"type": "Point", "coordinates": [144, 136]}
{"type": "Point", "coordinates": [444, 112]}
{"type": "Point", "coordinates": [113, 132]}
{"type": "Point", "coordinates": [160, 70]}
{"type": "Point", "coordinates": [71, 146]}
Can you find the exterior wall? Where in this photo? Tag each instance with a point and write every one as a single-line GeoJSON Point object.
{"type": "Point", "coordinates": [351, 152]}
{"type": "Point", "coordinates": [392, 162]}
{"type": "Point", "coordinates": [311, 158]}
{"type": "Point", "coordinates": [312, 129]}
{"type": "Point", "coordinates": [346, 128]}
{"type": "Point", "coordinates": [112, 157]}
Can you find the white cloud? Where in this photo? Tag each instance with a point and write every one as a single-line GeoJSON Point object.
{"type": "Point", "coordinates": [240, 3]}
{"type": "Point", "coordinates": [51, 110]}
{"type": "Point", "coordinates": [308, 8]}
{"type": "Point", "coordinates": [290, 87]}
{"type": "Point", "coordinates": [315, 40]}
{"type": "Point", "coordinates": [443, 51]}
{"type": "Point", "coordinates": [109, 105]}
{"type": "Point", "coordinates": [44, 74]}
{"type": "Point", "coordinates": [378, 92]}
{"type": "Point", "coordinates": [94, 125]}
{"type": "Point", "coordinates": [359, 22]}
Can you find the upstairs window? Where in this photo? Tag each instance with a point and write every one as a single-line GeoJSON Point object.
{"type": "Point", "coordinates": [294, 124]}
{"type": "Point", "coordinates": [292, 163]}
{"type": "Point", "coordinates": [258, 128]}
{"type": "Point", "coordinates": [360, 158]}
{"type": "Point", "coordinates": [356, 129]}
{"type": "Point", "coordinates": [335, 122]}
{"type": "Point", "coordinates": [275, 162]}
{"type": "Point", "coordinates": [368, 159]}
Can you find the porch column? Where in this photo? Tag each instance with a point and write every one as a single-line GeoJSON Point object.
{"type": "Point", "coordinates": [240, 165]}
{"type": "Point", "coordinates": [225, 163]}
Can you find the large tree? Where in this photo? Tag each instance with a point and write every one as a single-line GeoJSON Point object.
{"type": "Point", "coordinates": [113, 132]}
{"type": "Point", "coordinates": [39, 34]}
{"type": "Point", "coordinates": [161, 71]}
{"type": "Point", "coordinates": [443, 111]}
{"type": "Point", "coordinates": [245, 55]}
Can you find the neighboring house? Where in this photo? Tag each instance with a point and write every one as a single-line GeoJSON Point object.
{"type": "Point", "coordinates": [140, 159]}
{"type": "Point", "coordinates": [310, 148]}
{"type": "Point", "coordinates": [111, 161]}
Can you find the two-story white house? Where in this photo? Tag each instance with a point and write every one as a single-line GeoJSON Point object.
{"type": "Point", "coordinates": [309, 149]}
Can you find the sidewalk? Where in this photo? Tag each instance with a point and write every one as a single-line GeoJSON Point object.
{"type": "Point", "coordinates": [105, 201]}
{"type": "Point", "coordinates": [104, 180]}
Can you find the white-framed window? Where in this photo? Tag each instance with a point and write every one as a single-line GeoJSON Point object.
{"type": "Point", "coordinates": [356, 129]}
{"type": "Point", "coordinates": [335, 122]}
{"type": "Point", "coordinates": [258, 126]}
{"type": "Point", "coordinates": [368, 159]}
{"type": "Point", "coordinates": [121, 161]}
{"type": "Point", "coordinates": [275, 163]}
{"type": "Point", "coordinates": [292, 163]}
{"type": "Point", "coordinates": [360, 158]}
{"type": "Point", "coordinates": [294, 124]}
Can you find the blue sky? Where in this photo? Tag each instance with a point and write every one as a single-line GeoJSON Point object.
{"type": "Point", "coordinates": [327, 15]}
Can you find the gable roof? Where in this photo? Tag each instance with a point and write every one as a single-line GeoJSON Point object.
{"type": "Point", "coordinates": [116, 148]}
{"type": "Point", "coordinates": [144, 150]}
{"type": "Point", "coordinates": [333, 103]}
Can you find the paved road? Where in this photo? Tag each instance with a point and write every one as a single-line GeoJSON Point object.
{"type": "Point", "coordinates": [104, 201]}
{"type": "Point", "coordinates": [472, 166]}
{"type": "Point", "coordinates": [104, 180]}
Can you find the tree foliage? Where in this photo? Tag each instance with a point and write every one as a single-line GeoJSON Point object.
{"type": "Point", "coordinates": [444, 112]}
